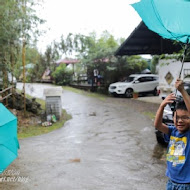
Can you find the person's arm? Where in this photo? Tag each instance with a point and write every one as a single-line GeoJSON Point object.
{"type": "Point", "coordinates": [159, 114]}
{"type": "Point", "coordinates": [186, 97]}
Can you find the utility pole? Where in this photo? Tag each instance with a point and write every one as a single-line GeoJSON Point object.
{"type": "Point", "coordinates": [24, 78]}
{"type": "Point", "coordinates": [23, 54]}
{"type": "Point", "coordinates": [12, 69]}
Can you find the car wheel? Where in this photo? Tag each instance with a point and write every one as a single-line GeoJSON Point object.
{"type": "Point", "coordinates": [161, 141]}
{"type": "Point", "coordinates": [160, 138]}
{"type": "Point", "coordinates": [129, 93]}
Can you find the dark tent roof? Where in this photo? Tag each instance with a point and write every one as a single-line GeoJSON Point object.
{"type": "Point", "coordinates": [144, 41]}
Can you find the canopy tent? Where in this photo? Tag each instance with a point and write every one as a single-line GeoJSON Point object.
{"type": "Point", "coordinates": [144, 41]}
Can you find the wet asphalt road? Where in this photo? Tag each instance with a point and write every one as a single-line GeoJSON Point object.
{"type": "Point", "coordinates": [107, 145]}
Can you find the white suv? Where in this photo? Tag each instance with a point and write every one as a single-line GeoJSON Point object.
{"type": "Point", "coordinates": [141, 83]}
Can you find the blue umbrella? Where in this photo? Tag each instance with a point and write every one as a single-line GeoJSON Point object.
{"type": "Point", "coordinates": [8, 138]}
{"type": "Point", "coordinates": [168, 18]}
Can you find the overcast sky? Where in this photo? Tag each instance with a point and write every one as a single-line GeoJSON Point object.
{"type": "Point", "coordinates": [85, 16]}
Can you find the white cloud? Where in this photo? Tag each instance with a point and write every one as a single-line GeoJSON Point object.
{"type": "Point", "coordinates": [85, 16]}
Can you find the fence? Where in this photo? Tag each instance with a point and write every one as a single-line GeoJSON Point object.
{"type": "Point", "coordinates": [5, 93]}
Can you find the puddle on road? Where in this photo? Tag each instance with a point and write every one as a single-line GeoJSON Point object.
{"type": "Point", "coordinates": [159, 152]}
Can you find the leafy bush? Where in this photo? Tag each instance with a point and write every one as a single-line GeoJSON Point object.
{"type": "Point", "coordinates": [62, 75]}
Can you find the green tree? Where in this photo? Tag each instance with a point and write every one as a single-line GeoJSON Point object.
{"type": "Point", "coordinates": [98, 53]}
{"type": "Point", "coordinates": [154, 63]}
{"type": "Point", "coordinates": [62, 75]}
{"type": "Point", "coordinates": [137, 63]}
{"type": "Point", "coordinates": [52, 54]}
{"type": "Point", "coordinates": [17, 20]}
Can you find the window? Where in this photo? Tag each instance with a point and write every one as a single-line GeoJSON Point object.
{"type": "Point", "coordinates": [155, 78]}
{"type": "Point", "coordinates": [145, 79]}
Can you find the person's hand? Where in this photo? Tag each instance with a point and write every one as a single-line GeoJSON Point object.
{"type": "Point", "coordinates": [179, 85]}
{"type": "Point", "coordinates": [168, 100]}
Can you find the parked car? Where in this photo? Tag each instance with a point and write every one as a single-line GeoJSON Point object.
{"type": "Point", "coordinates": [140, 83]}
{"type": "Point", "coordinates": [168, 115]}
{"type": "Point", "coordinates": [11, 80]}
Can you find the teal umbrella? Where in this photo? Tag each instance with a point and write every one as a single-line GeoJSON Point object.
{"type": "Point", "coordinates": [8, 138]}
{"type": "Point", "coordinates": [169, 18]}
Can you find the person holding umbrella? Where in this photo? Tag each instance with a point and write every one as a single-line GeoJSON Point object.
{"type": "Point", "coordinates": [178, 136]}
{"type": "Point", "coordinates": [170, 20]}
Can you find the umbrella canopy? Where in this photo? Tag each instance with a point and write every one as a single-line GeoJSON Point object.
{"type": "Point", "coordinates": [170, 19]}
{"type": "Point", "coordinates": [8, 137]}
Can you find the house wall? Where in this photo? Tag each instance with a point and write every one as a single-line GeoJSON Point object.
{"type": "Point", "coordinates": [169, 71]}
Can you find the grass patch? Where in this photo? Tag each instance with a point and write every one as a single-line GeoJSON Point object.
{"type": "Point", "coordinates": [34, 130]}
{"type": "Point", "coordinates": [87, 93]}
{"type": "Point", "coordinates": [29, 130]}
{"type": "Point", "coordinates": [149, 114]}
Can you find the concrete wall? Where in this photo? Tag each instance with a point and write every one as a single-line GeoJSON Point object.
{"type": "Point", "coordinates": [54, 106]}
{"type": "Point", "coordinates": [54, 101]}
{"type": "Point", "coordinates": [169, 70]}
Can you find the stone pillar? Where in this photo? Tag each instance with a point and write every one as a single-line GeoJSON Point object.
{"type": "Point", "coordinates": [53, 101]}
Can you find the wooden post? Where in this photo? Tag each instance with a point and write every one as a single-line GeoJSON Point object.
{"type": "Point", "coordinates": [24, 78]}
{"type": "Point", "coordinates": [12, 69]}
{"type": "Point", "coordinates": [23, 55]}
